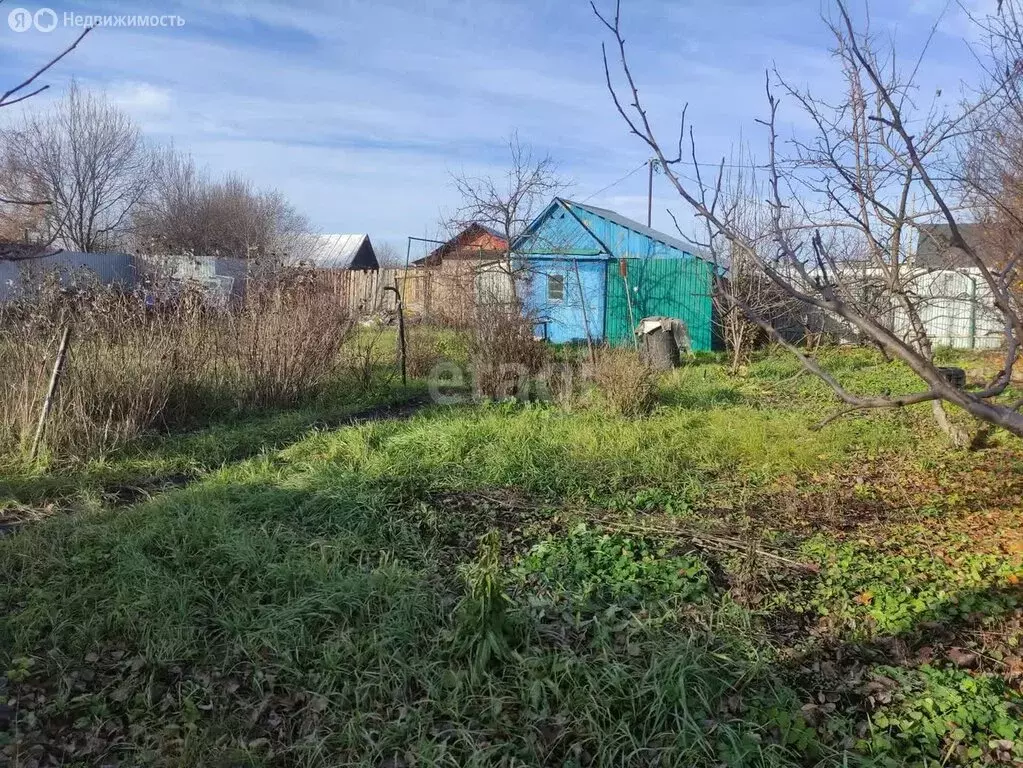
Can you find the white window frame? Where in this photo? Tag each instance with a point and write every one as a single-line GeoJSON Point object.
{"type": "Point", "coordinates": [560, 279]}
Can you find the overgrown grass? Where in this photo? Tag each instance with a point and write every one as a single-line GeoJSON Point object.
{"type": "Point", "coordinates": [140, 362]}
{"type": "Point", "coordinates": [153, 462]}
{"type": "Point", "coordinates": [513, 584]}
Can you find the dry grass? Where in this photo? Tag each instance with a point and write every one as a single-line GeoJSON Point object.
{"type": "Point", "coordinates": [503, 353]}
{"type": "Point", "coordinates": [175, 363]}
{"type": "Point", "coordinates": [625, 381]}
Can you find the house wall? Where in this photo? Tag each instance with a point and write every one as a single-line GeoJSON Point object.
{"type": "Point", "coordinates": [679, 288]}
{"type": "Point", "coordinates": [555, 246]}
{"type": "Point", "coordinates": [582, 305]}
{"type": "Point", "coordinates": [452, 290]}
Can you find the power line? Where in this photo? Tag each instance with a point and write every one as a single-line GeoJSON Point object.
{"type": "Point", "coordinates": [616, 183]}
{"type": "Point", "coordinates": [691, 164]}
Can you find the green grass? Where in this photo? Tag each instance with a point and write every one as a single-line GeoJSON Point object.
{"type": "Point", "coordinates": [518, 585]}
{"type": "Point", "coordinates": [176, 457]}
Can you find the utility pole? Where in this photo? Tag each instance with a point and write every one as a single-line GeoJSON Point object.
{"type": "Point", "coordinates": [652, 163]}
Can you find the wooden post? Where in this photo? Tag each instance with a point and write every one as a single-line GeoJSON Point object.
{"type": "Point", "coordinates": [650, 193]}
{"type": "Point", "coordinates": [58, 367]}
{"type": "Point", "coordinates": [586, 316]}
{"type": "Point", "coordinates": [402, 351]}
{"type": "Point", "coordinates": [623, 270]}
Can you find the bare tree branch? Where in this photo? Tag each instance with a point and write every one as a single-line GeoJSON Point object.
{"type": "Point", "coordinates": [856, 267]}
{"type": "Point", "coordinates": [5, 99]}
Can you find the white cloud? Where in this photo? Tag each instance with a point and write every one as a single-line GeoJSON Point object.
{"type": "Point", "coordinates": [141, 100]}
{"type": "Point", "coordinates": [359, 111]}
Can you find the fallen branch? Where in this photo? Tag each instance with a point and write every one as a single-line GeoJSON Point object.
{"type": "Point", "coordinates": [14, 201]}
{"type": "Point", "coordinates": [704, 540]}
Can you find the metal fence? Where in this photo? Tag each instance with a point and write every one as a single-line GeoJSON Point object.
{"type": "Point", "coordinates": [107, 268]}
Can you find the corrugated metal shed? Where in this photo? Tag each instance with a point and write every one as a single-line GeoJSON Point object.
{"type": "Point", "coordinates": [571, 257]}
{"type": "Point", "coordinates": [338, 251]}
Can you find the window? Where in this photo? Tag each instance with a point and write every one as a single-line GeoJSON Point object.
{"type": "Point", "coordinates": [555, 287]}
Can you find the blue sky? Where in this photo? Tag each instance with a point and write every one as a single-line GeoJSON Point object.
{"type": "Point", "coordinates": [360, 110]}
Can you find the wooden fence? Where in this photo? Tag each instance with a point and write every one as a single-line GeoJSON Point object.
{"type": "Point", "coordinates": [446, 294]}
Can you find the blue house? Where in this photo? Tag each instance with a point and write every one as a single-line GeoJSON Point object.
{"type": "Point", "coordinates": [587, 272]}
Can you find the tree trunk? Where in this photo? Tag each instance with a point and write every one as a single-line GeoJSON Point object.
{"type": "Point", "coordinates": [956, 434]}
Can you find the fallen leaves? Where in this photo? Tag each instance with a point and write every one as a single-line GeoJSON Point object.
{"type": "Point", "coordinates": [962, 658]}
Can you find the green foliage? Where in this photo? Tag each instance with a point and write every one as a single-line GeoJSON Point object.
{"type": "Point", "coordinates": [320, 598]}
{"type": "Point", "coordinates": [591, 568]}
{"type": "Point", "coordinates": [483, 626]}
{"type": "Point", "coordinates": [416, 590]}
{"type": "Point", "coordinates": [867, 589]}
{"type": "Point", "coordinates": [929, 716]}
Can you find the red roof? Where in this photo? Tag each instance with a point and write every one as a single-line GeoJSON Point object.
{"type": "Point", "coordinates": [474, 242]}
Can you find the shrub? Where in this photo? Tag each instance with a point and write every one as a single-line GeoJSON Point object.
{"type": "Point", "coordinates": [503, 353]}
{"type": "Point", "coordinates": [626, 382]}
{"type": "Point", "coordinates": [425, 347]}
{"type": "Point", "coordinates": [134, 364]}
{"type": "Point", "coordinates": [285, 341]}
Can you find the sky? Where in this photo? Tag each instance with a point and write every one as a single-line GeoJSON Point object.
{"type": "Point", "coordinates": [360, 111]}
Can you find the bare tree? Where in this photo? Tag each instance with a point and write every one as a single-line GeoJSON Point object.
{"type": "Point", "coordinates": [92, 162]}
{"type": "Point", "coordinates": [187, 211]}
{"type": "Point", "coordinates": [388, 255]}
{"type": "Point", "coordinates": [841, 207]}
{"type": "Point", "coordinates": [742, 197]}
{"type": "Point", "coordinates": [507, 204]}
{"type": "Point", "coordinates": [22, 204]}
{"type": "Point", "coordinates": [992, 160]}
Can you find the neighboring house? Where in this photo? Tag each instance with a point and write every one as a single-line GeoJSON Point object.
{"type": "Point", "coordinates": [334, 252]}
{"type": "Point", "coordinates": [475, 243]}
{"type": "Point", "coordinates": [465, 272]}
{"type": "Point", "coordinates": [945, 287]}
{"type": "Point", "coordinates": [951, 296]}
{"type": "Point", "coordinates": [934, 250]}
{"type": "Point", "coordinates": [585, 272]}
{"type": "Point", "coordinates": [955, 303]}
{"type": "Point", "coordinates": [107, 268]}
